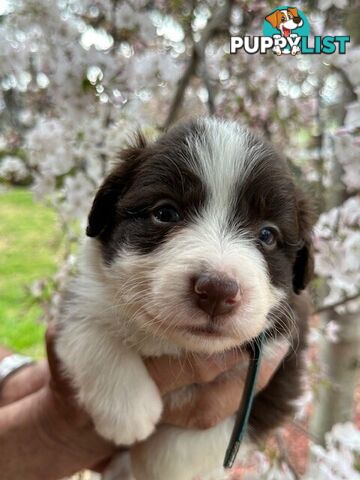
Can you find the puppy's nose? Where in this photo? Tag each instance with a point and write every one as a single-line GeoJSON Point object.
{"type": "Point", "coordinates": [216, 294]}
{"type": "Point", "coordinates": [297, 20]}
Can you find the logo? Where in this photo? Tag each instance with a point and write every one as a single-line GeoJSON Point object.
{"type": "Point", "coordinates": [287, 25]}
{"type": "Point", "coordinates": [286, 30]}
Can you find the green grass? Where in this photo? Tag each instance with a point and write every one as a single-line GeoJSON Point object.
{"type": "Point", "coordinates": [29, 250]}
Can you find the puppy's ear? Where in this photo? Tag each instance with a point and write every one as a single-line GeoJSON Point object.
{"type": "Point", "coordinates": [274, 18]}
{"type": "Point", "coordinates": [303, 269]}
{"type": "Point", "coordinates": [293, 11]}
{"type": "Point", "coordinates": [103, 210]}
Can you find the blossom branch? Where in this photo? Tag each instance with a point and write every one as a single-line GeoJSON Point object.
{"type": "Point", "coordinates": [183, 83]}
{"type": "Point", "coordinates": [325, 308]}
{"type": "Point", "coordinates": [346, 81]}
{"type": "Point", "coordinates": [216, 25]}
{"type": "Point", "coordinates": [284, 455]}
{"type": "Point", "coordinates": [210, 90]}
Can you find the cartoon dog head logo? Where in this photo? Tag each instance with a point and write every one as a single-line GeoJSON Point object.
{"type": "Point", "coordinates": [285, 20]}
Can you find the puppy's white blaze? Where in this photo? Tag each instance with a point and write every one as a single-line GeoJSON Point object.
{"type": "Point", "coordinates": [225, 155]}
{"type": "Point", "coordinates": [218, 158]}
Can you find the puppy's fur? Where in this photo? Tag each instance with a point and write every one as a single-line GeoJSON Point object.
{"type": "Point", "coordinates": [134, 294]}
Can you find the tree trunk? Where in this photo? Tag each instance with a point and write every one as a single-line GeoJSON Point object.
{"type": "Point", "coordinates": [335, 403]}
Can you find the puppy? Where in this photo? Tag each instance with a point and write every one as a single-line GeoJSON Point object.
{"type": "Point", "coordinates": [198, 242]}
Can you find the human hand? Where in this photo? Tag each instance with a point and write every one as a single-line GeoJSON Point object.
{"type": "Point", "coordinates": [57, 437]}
{"type": "Point", "coordinates": [67, 430]}
{"type": "Point", "coordinates": [168, 373]}
{"type": "Point", "coordinates": [24, 382]}
{"type": "Point", "coordinates": [214, 398]}
{"type": "Point", "coordinates": [218, 384]}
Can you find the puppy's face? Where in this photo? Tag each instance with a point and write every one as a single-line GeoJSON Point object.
{"type": "Point", "coordinates": [202, 235]}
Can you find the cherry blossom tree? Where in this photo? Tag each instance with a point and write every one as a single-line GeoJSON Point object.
{"type": "Point", "coordinates": [78, 76]}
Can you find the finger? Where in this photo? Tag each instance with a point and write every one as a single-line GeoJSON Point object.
{"type": "Point", "coordinates": [24, 382]}
{"type": "Point", "coordinates": [58, 380]}
{"type": "Point", "coordinates": [61, 387]}
{"type": "Point", "coordinates": [171, 373]}
{"type": "Point", "coordinates": [31, 378]}
{"type": "Point", "coordinates": [272, 362]}
{"type": "Point", "coordinates": [53, 361]}
{"type": "Point", "coordinates": [211, 403]}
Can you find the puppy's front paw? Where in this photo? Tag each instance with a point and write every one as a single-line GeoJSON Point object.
{"type": "Point", "coordinates": [130, 423]}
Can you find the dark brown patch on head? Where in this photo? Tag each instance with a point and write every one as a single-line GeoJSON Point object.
{"type": "Point", "coordinates": [102, 214]}
{"type": "Point", "coordinates": [121, 215]}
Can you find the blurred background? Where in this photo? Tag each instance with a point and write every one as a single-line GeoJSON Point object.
{"type": "Point", "coordinates": [77, 76]}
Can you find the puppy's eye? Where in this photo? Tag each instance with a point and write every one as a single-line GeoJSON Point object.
{"type": "Point", "coordinates": [165, 214]}
{"type": "Point", "coordinates": [267, 236]}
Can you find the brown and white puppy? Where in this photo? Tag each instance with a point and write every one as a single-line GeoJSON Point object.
{"type": "Point", "coordinates": [285, 20]}
{"type": "Point", "coordinates": [198, 242]}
